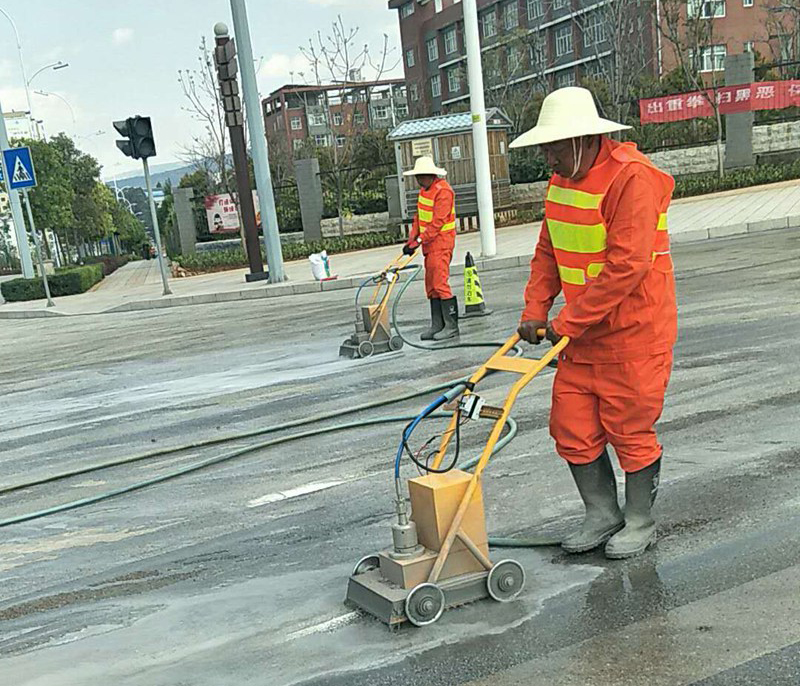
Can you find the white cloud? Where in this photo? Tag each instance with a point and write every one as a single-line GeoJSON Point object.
{"type": "Point", "coordinates": [279, 69]}
{"type": "Point", "coordinates": [121, 36]}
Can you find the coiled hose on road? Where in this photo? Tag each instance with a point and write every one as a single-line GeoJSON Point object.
{"type": "Point", "coordinates": [227, 457]}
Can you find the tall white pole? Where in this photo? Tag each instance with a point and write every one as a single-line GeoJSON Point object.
{"type": "Point", "coordinates": [480, 140]}
{"type": "Point", "coordinates": [258, 141]}
{"type": "Point", "coordinates": [23, 248]}
{"type": "Point", "coordinates": [21, 66]}
{"type": "Point", "coordinates": [161, 263]}
{"type": "Point", "coordinates": [50, 302]}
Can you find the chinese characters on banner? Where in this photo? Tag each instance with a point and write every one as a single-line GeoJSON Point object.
{"type": "Point", "coordinates": [768, 95]}
{"type": "Point", "coordinates": [222, 215]}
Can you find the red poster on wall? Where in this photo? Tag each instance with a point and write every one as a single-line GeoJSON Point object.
{"type": "Point", "coordinates": [768, 95]}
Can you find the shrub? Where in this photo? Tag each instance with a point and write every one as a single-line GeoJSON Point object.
{"type": "Point", "coordinates": [232, 259]}
{"type": "Point", "coordinates": [69, 281]}
{"type": "Point", "coordinates": [701, 184]}
{"type": "Point", "coordinates": [110, 263]}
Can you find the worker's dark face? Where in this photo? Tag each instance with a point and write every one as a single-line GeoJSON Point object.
{"type": "Point", "coordinates": [425, 180]}
{"type": "Point", "coordinates": [560, 155]}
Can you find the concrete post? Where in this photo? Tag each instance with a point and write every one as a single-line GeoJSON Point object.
{"type": "Point", "coordinates": [309, 190]}
{"type": "Point", "coordinates": [187, 226]}
{"type": "Point", "coordinates": [739, 127]}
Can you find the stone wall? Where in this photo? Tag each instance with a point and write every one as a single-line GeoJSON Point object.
{"type": "Point", "coordinates": [358, 223]}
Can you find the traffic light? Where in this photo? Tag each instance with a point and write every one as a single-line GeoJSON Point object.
{"type": "Point", "coordinates": [139, 142]}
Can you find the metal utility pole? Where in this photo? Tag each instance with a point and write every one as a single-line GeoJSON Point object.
{"type": "Point", "coordinates": [23, 248]}
{"type": "Point", "coordinates": [258, 141]}
{"type": "Point", "coordinates": [480, 140]}
{"type": "Point", "coordinates": [161, 262]}
{"type": "Point", "coordinates": [225, 58]}
{"type": "Point", "coordinates": [50, 302]}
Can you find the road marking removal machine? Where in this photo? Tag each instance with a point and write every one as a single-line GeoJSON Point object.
{"type": "Point", "coordinates": [440, 553]}
{"type": "Point", "coordinates": [373, 332]}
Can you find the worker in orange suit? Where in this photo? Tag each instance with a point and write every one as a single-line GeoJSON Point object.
{"type": "Point", "coordinates": [605, 245]}
{"type": "Point", "coordinates": [434, 229]}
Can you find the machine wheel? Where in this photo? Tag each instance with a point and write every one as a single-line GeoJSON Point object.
{"type": "Point", "coordinates": [366, 564]}
{"type": "Point", "coordinates": [365, 349]}
{"type": "Point", "coordinates": [395, 343]}
{"type": "Point", "coordinates": [424, 604]}
{"type": "Point", "coordinates": [506, 580]}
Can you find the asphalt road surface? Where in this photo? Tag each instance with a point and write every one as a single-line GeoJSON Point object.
{"type": "Point", "coordinates": [236, 574]}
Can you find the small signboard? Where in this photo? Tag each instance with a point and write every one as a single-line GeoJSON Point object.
{"type": "Point", "coordinates": [20, 168]}
{"type": "Point", "coordinates": [222, 215]}
{"type": "Point", "coordinates": [455, 152]}
{"type": "Point", "coordinates": [422, 147]}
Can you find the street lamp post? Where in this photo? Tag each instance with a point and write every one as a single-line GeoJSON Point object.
{"type": "Point", "coordinates": [47, 94]}
{"type": "Point", "coordinates": [19, 51]}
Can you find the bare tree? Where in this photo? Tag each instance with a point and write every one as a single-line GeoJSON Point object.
{"type": "Point", "coordinates": [783, 26]}
{"type": "Point", "coordinates": [614, 34]}
{"type": "Point", "coordinates": [689, 28]}
{"type": "Point", "coordinates": [342, 59]}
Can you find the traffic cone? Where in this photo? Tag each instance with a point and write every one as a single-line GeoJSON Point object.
{"type": "Point", "coordinates": [475, 306]}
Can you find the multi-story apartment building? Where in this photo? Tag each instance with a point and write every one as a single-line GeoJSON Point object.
{"type": "Point", "coordinates": [709, 30]}
{"type": "Point", "coordinates": [328, 114]}
{"type": "Point", "coordinates": [549, 43]}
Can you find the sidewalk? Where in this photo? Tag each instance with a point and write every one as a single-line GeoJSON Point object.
{"type": "Point", "coordinates": [137, 286]}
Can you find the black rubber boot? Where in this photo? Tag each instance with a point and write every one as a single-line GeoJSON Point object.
{"type": "Point", "coordinates": [450, 315]}
{"type": "Point", "coordinates": [639, 533]}
{"type": "Point", "coordinates": [437, 321]}
{"type": "Point", "coordinates": [598, 488]}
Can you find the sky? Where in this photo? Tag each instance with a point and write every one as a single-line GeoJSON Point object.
{"type": "Point", "coordinates": [125, 62]}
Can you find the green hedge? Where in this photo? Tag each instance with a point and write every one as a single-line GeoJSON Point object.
{"type": "Point", "coordinates": [224, 259]}
{"type": "Point", "coordinates": [70, 281]}
{"type": "Point", "coordinates": [701, 184]}
{"type": "Point", "coordinates": [110, 263]}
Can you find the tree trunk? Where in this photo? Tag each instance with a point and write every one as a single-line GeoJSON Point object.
{"type": "Point", "coordinates": [720, 160]}
{"type": "Point", "coordinates": [339, 204]}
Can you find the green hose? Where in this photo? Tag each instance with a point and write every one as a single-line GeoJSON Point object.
{"type": "Point", "coordinates": [203, 464]}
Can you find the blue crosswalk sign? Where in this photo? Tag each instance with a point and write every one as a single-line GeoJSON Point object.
{"type": "Point", "coordinates": [20, 168]}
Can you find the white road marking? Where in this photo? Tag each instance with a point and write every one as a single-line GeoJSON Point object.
{"type": "Point", "coordinates": [294, 492]}
{"type": "Point", "coordinates": [329, 625]}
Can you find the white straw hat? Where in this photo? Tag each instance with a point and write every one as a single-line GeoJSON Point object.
{"type": "Point", "coordinates": [567, 113]}
{"type": "Point", "coordinates": [425, 165]}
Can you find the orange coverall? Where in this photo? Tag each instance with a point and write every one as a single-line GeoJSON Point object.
{"type": "Point", "coordinates": [612, 378]}
{"type": "Point", "coordinates": [437, 245]}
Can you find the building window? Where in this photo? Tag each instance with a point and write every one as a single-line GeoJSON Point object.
{"type": "Point", "coordinates": [450, 41]}
{"type": "Point", "coordinates": [513, 59]}
{"type": "Point", "coordinates": [594, 30]}
{"type": "Point", "coordinates": [296, 123]}
{"type": "Point", "coordinates": [437, 4]}
{"type": "Point", "coordinates": [489, 24]}
{"type": "Point", "coordinates": [706, 9]}
{"type": "Point", "coordinates": [560, 4]}
{"type": "Point", "coordinates": [453, 81]}
{"type": "Point", "coordinates": [565, 79]}
{"type": "Point", "coordinates": [748, 3]}
{"type": "Point", "coordinates": [340, 141]}
{"type": "Point", "coordinates": [433, 50]}
{"type": "Point", "coordinates": [413, 91]}
{"type": "Point", "coordinates": [712, 58]}
{"type": "Point", "coordinates": [407, 10]}
{"type": "Point", "coordinates": [411, 59]}
{"type": "Point", "coordinates": [563, 37]}
{"type": "Point", "coordinates": [436, 86]}
{"type": "Point", "coordinates": [337, 118]}
{"type": "Point", "coordinates": [297, 144]}
{"type": "Point", "coordinates": [536, 56]}
{"type": "Point", "coordinates": [317, 119]}
{"type": "Point", "coordinates": [749, 46]}
{"type": "Point", "coordinates": [510, 15]}
{"type": "Point", "coordinates": [358, 118]}
{"type": "Point", "coordinates": [401, 111]}
{"type": "Point", "coordinates": [321, 139]}
{"type": "Point", "coordinates": [381, 112]}
{"type": "Point", "coordinates": [535, 10]}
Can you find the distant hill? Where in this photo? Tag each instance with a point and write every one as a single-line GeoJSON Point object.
{"type": "Point", "coordinates": [160, 173]}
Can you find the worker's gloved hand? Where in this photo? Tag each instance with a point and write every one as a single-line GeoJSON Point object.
{"type": "Point", "coordinates": [410, 249]}
{"type": "Point", "coordinates": [528, 331]}
{"type": "Point", "coordinates": [552, 335]}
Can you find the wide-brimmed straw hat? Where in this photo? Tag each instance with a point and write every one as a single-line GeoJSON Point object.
{"type": "Point", "coordinates": [567, 113]}
{"type": "Point", "coordinates": [425, 165]}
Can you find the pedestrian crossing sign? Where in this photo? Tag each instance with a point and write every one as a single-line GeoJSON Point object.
{"type": "Point", "coordinates": [19, 164]}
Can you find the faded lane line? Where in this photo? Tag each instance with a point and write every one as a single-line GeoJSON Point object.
{"type": "Point", "coordinates": [295, 492]}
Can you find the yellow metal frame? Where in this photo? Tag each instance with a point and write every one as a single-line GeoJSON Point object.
{"type": "Point", "coordinates": [395, 266]}
{"type": "Point", "coordinates": [499, 362]}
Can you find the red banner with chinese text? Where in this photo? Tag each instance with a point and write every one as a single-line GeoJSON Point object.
{"type": "Point", "coordinates": [767, 95]}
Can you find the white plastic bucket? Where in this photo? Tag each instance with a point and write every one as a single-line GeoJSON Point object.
{"type": "Point", "coordinates": [320, 265]}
